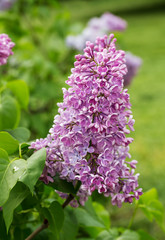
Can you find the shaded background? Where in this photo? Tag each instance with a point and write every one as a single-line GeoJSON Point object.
{"type": "Point", "coordinates": [43, 60]}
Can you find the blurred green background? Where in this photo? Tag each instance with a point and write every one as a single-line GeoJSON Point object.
{"type": "Point", "coordinates": [42, 59]}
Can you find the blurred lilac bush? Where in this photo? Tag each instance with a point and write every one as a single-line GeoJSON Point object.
{"type": "Point", "coordinates": [6, 4]}
{"type": "Point", "coordinates": [87, 141]}
{"type": "Point", "coordinates": [96, 27]}
{"type": "Point", "coordinates": [107, 23]}
{"type": "Point", "coordinates": [133, 63]}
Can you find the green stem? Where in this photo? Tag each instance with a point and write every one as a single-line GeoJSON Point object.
{"type": "Point", "coordinates": [68, 200]}
{"type": "Point", "coordinates": [20, 151]}
{"type": "Point", "coordinates": [38, 230]}
{"type": "Point", "coordinates": [133, 216]}
{"type": "Point", "coordinates": [46, 223]}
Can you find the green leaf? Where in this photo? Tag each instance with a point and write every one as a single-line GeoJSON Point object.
{"type": "Point", "coordinates": [58, 214]}
{"type": "Point", "coordinates": [62, 185]}
{"type": "Point", "coordinates": [156, 209]}
{"type": "Point", "coordinates": [70, 227]}
{"type": "Point", "coordinates": [129, 235]}
{"type": "Point", "coordinates": [24, 147]}
{"type": "Point", "coordinates": [85, 239]}
{"type": "Point", "coordinates": [93, 231]}
{"type": "Point", "coordinates": [113, 234]}
{"type": "Point", "coordinates": [55, 217]}
{"type": "Point", "coordinates": [8, 143]}
{"type": "Point", "coordinates": [21, 134]}
{"type": "Point", "coordinates": [29, 202]}
{"type": "Point", "coordinates": [21, 91]}
{"type": "Point", "coordinates": [22, 233]}
{"type": "Point", "coordinates": [152, 207]}
{"type": "Point", "coordinates": [147, 212]}
{"type": "Point", "coordinates": [99, 212]}
{"type": "Point", "coordinates": [89, 207]}
{"type": "Point", "coordinates": [102, 213]}
{"type": "Point", "coordinates": [3, 232]}
{"type": "Point", "coordinates": [17, 195]}
{"type": "Point", "coordinates": [145, 236]}
{"type": "Point", "coordinates": [9, 113]}
{"type": "Point", "coordinates": [105, 235]}
{"type": "Point", "coordinates": [108, 235]}
{"type": "Point", "coordinates": [34, 168]}
{"type": "Point", "coordinates": [85, 219]}
{"type": "Point", "coordinates": [148, 196]}
{"type": "Point", "coordinates": [10, 171]}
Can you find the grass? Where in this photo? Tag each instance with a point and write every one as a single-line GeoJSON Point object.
{"type": "Point", "coordinates": [84, 9]}
{"type": "Point", "coordinates": [144, 38]}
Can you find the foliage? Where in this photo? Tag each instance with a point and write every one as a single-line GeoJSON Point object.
{"type": "Point", "coordinates": [37, 48]}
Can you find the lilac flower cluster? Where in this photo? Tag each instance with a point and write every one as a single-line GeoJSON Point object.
{"type": "Point", "coordinates": [87, 141]}
{"type": "Point", "coordinates": [96, 27]}
{"type": "Point", "coordinates": [133, 64]}
{"type": "Point", "coordinates": [5, 48]}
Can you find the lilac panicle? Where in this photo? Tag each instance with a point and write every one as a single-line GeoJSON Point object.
{"type": "Point", "coordinates": [6, 46]}
{"type": "Point", "coordinates": [87, 141]}
{"type": "Point", "coordinates": [96, 27]}
{"type": "Point", "coordinates": [133, 64]}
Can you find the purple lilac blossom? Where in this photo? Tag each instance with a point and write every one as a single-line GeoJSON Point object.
{"type": "Point", "coordinates": [133, 64]}
{"type": "Point", "coordinates": [96, 27]}
{"type": "Point", "coordinates": [87, 141]}
{"type": "Point", "coordinates": [6, 4]}
{"type": "Point", "coordinates": [5, 48]}
{"type": "Point", "coordinates": [108, 22]}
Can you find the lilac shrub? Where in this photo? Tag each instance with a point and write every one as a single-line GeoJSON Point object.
{"type": "Point", "coordinates": [99, 27]}
{"type": "Point", "coordinates": [6, 4]}
{"type": "Point", "coordinates": [108, 22]}
{"type": "Point", "coordinates": [133, 64]}
{"type": "Point", "coordinates": [96, 27]}
{"type": "Point", "coordinates": [6, 46]}
{"type": "Point", "coordinates": [87, 141]}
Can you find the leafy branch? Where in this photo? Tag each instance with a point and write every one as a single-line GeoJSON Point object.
{"type": "Point", "coordinates": [52, 217]}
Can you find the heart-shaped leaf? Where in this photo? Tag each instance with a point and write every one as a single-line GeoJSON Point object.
{"type": "Point", "coordinates": [9, 113]}
{"type": "Point", "coordinates": [10, 171]}
{"type": "Point", "coordinates": [17, 195]}
{"type": "Point", "coordinates": [34, 168]}
{"type": "Point", "coordinates": [21, 134]}
{"type": "Point", "coordinates": [8, 143]}
{"type": "Point", "coordinates": [21, 91]}
{"type": "Point", "coordinates": [55, 216]}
